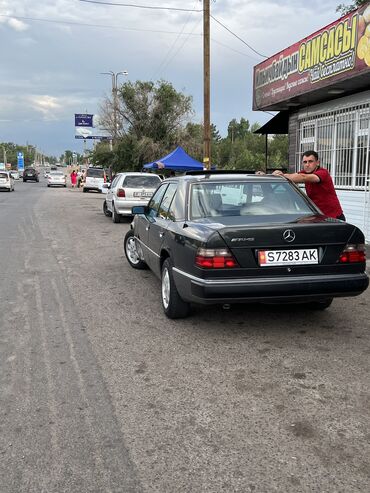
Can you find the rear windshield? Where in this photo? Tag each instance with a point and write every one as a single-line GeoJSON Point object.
{"type": "Point", "coordinates": [95, 172]}
{"type": "Point", "coordinates": [30, 170]}
{"type": "Point", "coordinates": [3, 175]}
{"type": "Point", "coordinates": [246, 199]}
{"type": "Point", "coordinates": [56, 173]}
{"type": "Point", "coordinates": [141, 181]}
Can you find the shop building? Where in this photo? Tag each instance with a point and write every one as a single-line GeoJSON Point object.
{"type": "Point", "coordinates": [321, 88]}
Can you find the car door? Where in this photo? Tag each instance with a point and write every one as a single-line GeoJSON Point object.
{"type": "Point", "coordinates": [159, 226]}
{"type": "Point", "coordinates": [110, 194]}
{"type": "Point", "coordinates": [143, 223]}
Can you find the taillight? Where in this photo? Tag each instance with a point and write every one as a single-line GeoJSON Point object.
{"type": "Point", "coordinates": [352, 254]}
{"type": "Point", "coordinates": [214, 258]}
{"type": "Point", "coordinates": [121, 192]}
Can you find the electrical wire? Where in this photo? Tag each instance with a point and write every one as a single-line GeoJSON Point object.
{"type": "Point", "coordinates": [139, 6]}
{"type": "Point", "coordinates": [180, 47]}
{"type": "Point", "coordinates": [104, 26]}
{"type": "Point", "coordinates": [238, 37]}
{"type": "Point", "coordinates": [167, 57]}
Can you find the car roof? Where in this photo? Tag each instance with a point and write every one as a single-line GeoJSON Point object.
{"type": "Point", "coordinates": [225, 176]}
{"type": "Point", "coordinates": [136, 173]}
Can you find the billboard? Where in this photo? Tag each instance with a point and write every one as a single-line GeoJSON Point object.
{"type": "Point", "coordinates": [336, 52]}
{"type": "Point", "coordinates": [87, 127]}
{"type": "Point", "coordinates": [83, 120]}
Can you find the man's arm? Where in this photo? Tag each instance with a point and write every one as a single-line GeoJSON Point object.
{"type": "Point", "coordinates": [298, 177]}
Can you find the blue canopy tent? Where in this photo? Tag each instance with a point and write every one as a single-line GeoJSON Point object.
{"type": "Point", "coordinates": [177, 160]}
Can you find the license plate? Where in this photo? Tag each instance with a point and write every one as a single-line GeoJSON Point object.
{"type": "Point", "coordinates": [268, 258]}
{"type": "Point", "coordinates": [142, 195]}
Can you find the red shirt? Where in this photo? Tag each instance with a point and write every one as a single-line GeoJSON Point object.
{"type": "Point", "coordinates": [323, 194]}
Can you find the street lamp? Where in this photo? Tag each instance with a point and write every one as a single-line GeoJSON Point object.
{"type": "Point", "coordinates": [114, 76]}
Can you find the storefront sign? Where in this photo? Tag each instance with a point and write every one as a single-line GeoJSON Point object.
{"type": "Point", "coordinates": [337, 51]}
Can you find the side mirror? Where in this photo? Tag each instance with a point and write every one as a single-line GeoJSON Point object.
{"type": "Point", "coordinates": [139, 209]}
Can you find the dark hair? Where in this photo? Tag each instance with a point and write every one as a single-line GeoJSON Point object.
{"type": "Point", "coordinates": [311, 153]}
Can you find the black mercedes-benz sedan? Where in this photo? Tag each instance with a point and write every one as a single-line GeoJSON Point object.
{"type": "Point", "coordinates": [239, 238]}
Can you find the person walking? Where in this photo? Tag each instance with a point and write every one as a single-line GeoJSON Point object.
{"type": "Point", "coordinates": [73, 176]}
{"type": "Point", "coordinates": [318, 183]}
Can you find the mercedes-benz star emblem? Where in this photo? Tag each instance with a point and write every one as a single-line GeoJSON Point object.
{"type": "Point", "coordinates": [289, 235]}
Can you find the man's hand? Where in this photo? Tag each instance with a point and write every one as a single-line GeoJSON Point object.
{"type": "Point", "coordinates": [278, 172]}
{"type": "Point", "coordinates": [260, 173]}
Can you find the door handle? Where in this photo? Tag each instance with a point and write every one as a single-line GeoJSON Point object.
{"type": "Point", "coordinates": [147, 228]}
{"type": "Point", "coordinates": [161, 234]}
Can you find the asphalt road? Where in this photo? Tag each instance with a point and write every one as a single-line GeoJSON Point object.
{"type": "Point", "coordinates": [100, 392]}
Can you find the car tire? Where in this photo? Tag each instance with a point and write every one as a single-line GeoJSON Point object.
{"type": "Point", "coordinates": [116, 218]}
{"type": "Point", "coordinates": [173, 305]}
{"type": "Point", "coordinates": [106, 211]}
{"type": "Point", "coordinates": [84, 190]}
{"type": "Point", "coordinates": [322, 304]}
{"type": "Point", "coordinates": [132, 255]}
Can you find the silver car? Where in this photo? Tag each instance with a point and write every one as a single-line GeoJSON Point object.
{"type": "Point", "coordinates": [56, 178]}
{"type": "Point", "coordinates": [6, 181]}
{"type": "Point", "coordinates": [129, 190]}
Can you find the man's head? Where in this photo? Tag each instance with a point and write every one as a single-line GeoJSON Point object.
{"type": "Point", "coordinates": [310, 161]}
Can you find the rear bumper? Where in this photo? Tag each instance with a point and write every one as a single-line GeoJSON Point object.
{"type": "Point", "coordinates": [287, 288]}
{"type": "Point", "coordinates": [5, 186]}
{"type": "Point", "coordinates": [124, 207]}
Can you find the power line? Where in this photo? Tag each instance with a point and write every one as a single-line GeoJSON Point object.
{"type": "Point", "coordinates": [104, 26]}
{"type": "Point", "coordinates": [238, 37]}
{"type": "Point", "coordinates": [168, 59]}
{"type": "Point", "coordinates": [173, 9]}
{"type": "Point", "coordinates": [139, 6]}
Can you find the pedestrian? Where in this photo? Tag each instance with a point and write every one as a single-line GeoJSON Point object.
{"type": "Point", "coordinates": [318, 183]}
{"type": "Point", "coordinates": [73, 178]}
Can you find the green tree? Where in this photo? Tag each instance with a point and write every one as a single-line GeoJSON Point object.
{"type": "Point", "coordinates": [150, 118]}
{"type": "Point", "coordinates": [345, 9]}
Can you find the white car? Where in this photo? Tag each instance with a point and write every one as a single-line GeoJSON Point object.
{"type": "Point", "coordinates": [94, 179]}
{"type": "Point", "coordinates": [127, 191]}
{"type": "Point", "coordinates": [6, 181]}
{"type": "Point", "coordinates": [15, 174]}
{"type": "Point", "coordinates": [56, 178]}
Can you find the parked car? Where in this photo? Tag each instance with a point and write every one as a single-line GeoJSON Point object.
{"type": "Point", "coordinates": [94, 179]}
{"type": "Point", "coordinates": [6, 181]}
{"type": "Point", "coordinates": [15, 174]}
{"type": "Point", "coordinates": [56, 179]}
{"type": "Point", "coordinates": [126, 191]}
{"type": "Point", "coordinates": [237, 238]}
{"type": "Point", "coordinates": [30, 174]}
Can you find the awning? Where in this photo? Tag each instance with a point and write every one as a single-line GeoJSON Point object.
{"type": "Point", "coordinates": [279, 124]}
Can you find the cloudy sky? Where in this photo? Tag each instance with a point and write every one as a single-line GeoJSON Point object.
{"type": "Point", "coordinates": [53, 53]}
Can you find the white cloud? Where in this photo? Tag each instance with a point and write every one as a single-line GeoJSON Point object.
{"type": "Point", "coordinates": [17, 25]}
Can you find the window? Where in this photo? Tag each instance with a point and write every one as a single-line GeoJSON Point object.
{"type": "Point", "coordinates": [242, 199]}
{"type": "Point", "coordinates": [155, 201]}
{"type": "Point", "coordinates": [341, 138]}
{"type": "Point", "coordinates": [95, 173]}
{"type": "Point", "coordinates": [164, 207]}
{"type": "Point", "coordinates": [141, 181]}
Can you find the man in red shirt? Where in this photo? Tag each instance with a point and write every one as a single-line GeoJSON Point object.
{"type": "Point", "coordinates": [319, 185]}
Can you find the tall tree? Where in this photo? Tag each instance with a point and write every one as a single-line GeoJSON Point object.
{"type": "Point", "coordinates": [345, 9]}
{"type": "Point", "coordinates": [150, 117]}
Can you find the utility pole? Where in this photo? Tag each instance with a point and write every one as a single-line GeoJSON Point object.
{"type": "Point", "coordinates": [207, 86]}
{"type": "Point", "coordinates": [114, 77]}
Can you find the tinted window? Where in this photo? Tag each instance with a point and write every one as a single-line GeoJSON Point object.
{"type": "Point", "coordinates": [167, 200]}
{"type": "Point", "coordinates": [3, 175]}
{"type": "Point", "coordinates": [154, 202]}
{"type": "Point", "coordinates": [141, 181]}
{"type": "Point", "coordinates": [242, 199]}
{"type": "Point", "coordinates": [95, 172]}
